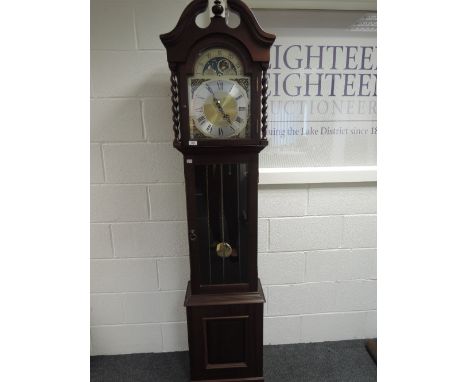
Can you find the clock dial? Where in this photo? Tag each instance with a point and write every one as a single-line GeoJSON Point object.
{"type": "Point", "coordinates": [219, 108]}
{"type": "Point", "coordinates": [218, 62]}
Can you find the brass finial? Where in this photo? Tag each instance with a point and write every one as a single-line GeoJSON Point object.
{"type": "Point", "coordinates": [217, 9]}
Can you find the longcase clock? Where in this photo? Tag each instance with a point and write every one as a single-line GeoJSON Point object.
{"type": "Point", "coordinates": [219, 102]}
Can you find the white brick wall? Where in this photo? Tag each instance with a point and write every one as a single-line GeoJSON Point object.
{"type": "Point", "coordinates": [317, 256]}
{"type": "Point", "coordinates": [116, 120]}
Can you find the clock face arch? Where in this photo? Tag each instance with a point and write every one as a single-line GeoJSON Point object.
{"type": "Point", "coordinates": [219, 96]}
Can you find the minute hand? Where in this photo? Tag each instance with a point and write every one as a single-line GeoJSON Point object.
{"type": "Point", "coordinates": [220, 108]}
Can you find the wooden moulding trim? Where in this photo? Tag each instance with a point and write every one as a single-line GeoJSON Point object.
{"type": "Point", "coordinates": [187, 21]}
{"type": "Point", "coordinates": [222, 150]}
{"type": "Point", "coordinates": [233, 298]}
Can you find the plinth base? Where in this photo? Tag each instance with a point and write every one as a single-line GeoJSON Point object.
{"type": "Point", "coordinates": [225, 333]}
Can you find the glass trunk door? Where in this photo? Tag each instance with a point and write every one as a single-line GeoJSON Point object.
{"type": "Point", "coordinates": [221, 193]}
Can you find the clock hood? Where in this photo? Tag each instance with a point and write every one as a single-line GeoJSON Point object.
{"type": "Point", "coordinates": [187, 33]}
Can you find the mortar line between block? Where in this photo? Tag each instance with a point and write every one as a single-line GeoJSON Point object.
{"type": "Point", "coordinates": [112, 241]}
{"type": "Point", "coordinates": [148, 203]}
{"type": "Point", "coordinates": [143, 126]}
{"type": "Point", "coordinates": [101, 152]}
{"type": "Point", "coordinates": [135, 34]}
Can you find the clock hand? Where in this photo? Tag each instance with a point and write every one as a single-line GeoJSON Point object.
{"type": "Point", "coordinates": [226, 117]}
{"type": "Point", "coordinates": [221, 110]}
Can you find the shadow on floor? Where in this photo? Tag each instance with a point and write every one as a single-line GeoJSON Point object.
{"type": "Point", "coordinates": [346, 361]}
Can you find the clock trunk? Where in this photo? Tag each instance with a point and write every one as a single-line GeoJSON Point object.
{"type": "Point", "coordinates": [222, 222]}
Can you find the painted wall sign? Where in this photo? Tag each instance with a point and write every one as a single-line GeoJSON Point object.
{"type": "Point", "coordinates": [323, 98]}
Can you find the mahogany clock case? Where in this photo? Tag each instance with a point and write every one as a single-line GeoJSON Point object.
{"type": "Point", "coordinates": [224, 298]}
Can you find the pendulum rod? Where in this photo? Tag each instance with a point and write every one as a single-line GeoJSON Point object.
{"type": "Point", "coordinates": [238, 222]}
{"type": "Point", "coordinates": [208, 221]}
{"type": "Point", "coordinates": [222, 210]}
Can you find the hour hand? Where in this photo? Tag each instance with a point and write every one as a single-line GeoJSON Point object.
{"type": "Point", "coordinates": [226, 117]}
{"type": "Point", "coordinates": [221, 110]}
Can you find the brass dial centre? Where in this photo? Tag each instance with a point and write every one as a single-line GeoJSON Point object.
{"type": "Point", "coordinates": [222, 110]}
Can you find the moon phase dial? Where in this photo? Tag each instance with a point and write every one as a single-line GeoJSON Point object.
{"type": "Point", "coordinates": [218, 62]}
